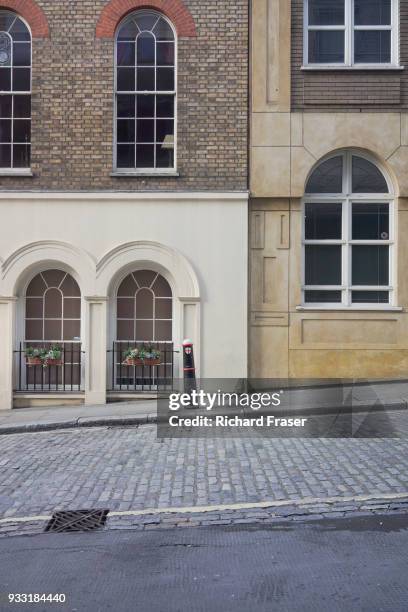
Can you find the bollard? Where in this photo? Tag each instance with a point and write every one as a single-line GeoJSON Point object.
{"type": "Point", "coordinates": [190, 383]}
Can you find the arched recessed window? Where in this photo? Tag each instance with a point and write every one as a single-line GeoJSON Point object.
{"type": "Point", "coordinates": [15, 93]}
{"type": "Point", "coordinates": [348, 234]}
{"type": "Point", "coordinates": [53, 308]}
{"type": "Point", "coordinates": [145, 93]}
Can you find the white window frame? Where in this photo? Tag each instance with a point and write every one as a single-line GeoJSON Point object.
{"type": "Point", "coordinates": [146, 171]}
{"type": "Point", "coordinates": [349, 28]}
{"type": "Point", "coordinates": [347, 199]}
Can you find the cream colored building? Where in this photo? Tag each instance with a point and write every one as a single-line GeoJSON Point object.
{"type": "Point", "coordinates": [311, 317]}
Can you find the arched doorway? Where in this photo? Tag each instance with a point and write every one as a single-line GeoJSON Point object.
{"type": "Point", "coordinates": [50, 355]}
{"type": "Point", "coordinates": [143, 351]}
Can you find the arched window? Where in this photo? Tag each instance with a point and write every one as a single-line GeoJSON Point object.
{"type": "Point", "coordinates": [53, 308]}
{"type": "Point", "coordinates": [144, 308]}
{"type": "Point", "coordinates": [15, 93]}
{"type": "Point", "coordinates": [348, 234]}
{"type": "Point", "coordinates": [145, 94]}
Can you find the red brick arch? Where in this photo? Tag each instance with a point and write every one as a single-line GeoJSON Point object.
{"type": "Point", "coordinates": [32, 13]}
{"type": "Point", "coordinates": [116, 10]}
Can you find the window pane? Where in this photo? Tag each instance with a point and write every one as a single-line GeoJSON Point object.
{"type": "Point", "coordinates": [323, 221]}
{"type": "Point", "coordinates": [22, 107]}
{"type": "Point", "coordinates": [370, 265]}
{"type": "Point", "coordinates": [164, 130]}
{"type": "Point", "coordinates": [372, 47]}
{"type": "Point", "coordinates": [165, 106]}
{"type": "Point", "coordinates": [145, 106]}
{"type": "Point", "coordinates": [145, 50]}
{"type": "Point", "coordinates": [323, 265]}
{"type": "Point", "coordinates": [367, 178]}
{"type": "Point", "coordinates": [322, 297]}
{"type": "Point", "coordinates": [5, 79]}
{"type": "Point", "coordinates": [372, 12]}
{"type": "Point", "coordinates": [146, 22]}
{"type": "Point", "coordinates": [128, 31]}
{"type": "Point", "coordinates": [5, 130]}
{"type": "Point", "coordinates": [165, 54]}
{"type": "Point", "coordinates": [145, 130]}
{"type": "Point", "coordinates": [371, 222]}
{"type": "Point", "coordinates": [145, 79]}
{"type": "Point", "coordinates": [5, 156]}
{"type": "Point", "coordinates": [21, 79]}
{"type": "Point", "coordinates": [370, 297]}
{"type": "Point", "coordinates": [326, 12]}
{"type": "Point", "coordinates": [125, 156]}
{"type": "Point", "coordinates": [5, 106]}
{"type": "Point", "coordinates": [326, 47]}
{"type": "Point", "coordinates": [21, 131]}
{"type": "Point", "coordinates": [163, 31]}
{"type": "Point", "coordinates": [126, 130]}
{"type": "Point", "coordinates": [21, 156]}
{"type": "Point", "coordinates": [165, 156]}
{"type": "Point", "coordinates": [165, 79]}
{"type": "Point", "coordinates": [19, 31]}
{"type": "Point", "coordinates": [126, 54]}
{"type": "Point", "coordinates": [126, 106]}
{"type": "Point", "coordinates": [145, 156]}
{"type": "Point", "coordinates": [327, 178]}
{"type": "Point", "coordinates": [22, 54]}
{"type": "Point", "coordinates": [126, 79]}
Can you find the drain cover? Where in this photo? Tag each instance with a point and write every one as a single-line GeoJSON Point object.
{"type": "Point", "coordinates": [77, 520]}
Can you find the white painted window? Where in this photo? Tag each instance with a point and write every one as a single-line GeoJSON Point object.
{"type": "Point", "coordinates": [348, 234]}
{"type": "Point", "coordinates": [145, 76]}
{"type": "Point", "coordinates": [351, 33]}
{"type": "Point", "coordinates": [15, 93]}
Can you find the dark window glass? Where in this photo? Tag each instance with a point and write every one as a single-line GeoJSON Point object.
{"type": "Point", "coordinates": [5, 156]}
{"type": "Point", "coordinates": [21, 131]}
{"type": "Point", "coordinates": [21, 79]}
{"type": "Point", "coordinates": [326, 12]}
{"type": "Point", "coordinates": [327, 178]}
{"type": "Point", "coordinates": [126, 54]}
{"type": "Point", "coordinates": [165, 54]}
{"type": "Point", "coordinates": [164, 129]}
{"type": "Point", "coordinates": [5, 106]}
{"type": "Point", "coordinates": [323, 221]}
{"type": "Point", "coordinates": [371, 222]}
{"type": "Point", "coordinates": [126, 106]}
{"type": "Point", "coordinates": [326, 47]}
{"type": "Point", "coordinates": [370, 297]}
{"type": "Point", "coordinates": [22, 54]}
{"type": "Point", "coordinates": [145, 79]}
{"type": "Point", "coordinates": [367, 178]}
{"type": "Point", "coordinates": [126, 79]}
{"type": "Point", "coordinates": [5, 130]}
{"type": "Point", "coordinates": [145, 130]}
{"type": "Point", "coordinates": [5, 79]}
{"type": "Point", "coordinates": [165, 79]}
{"type": "Point", "coordinates": [322, 297]}
{"type": "Point", "coordinates": [126, 156]}
{"type": "Point", "coordinates": [146, 22]}
{"type": "Point", "coordinates": [22, 106]}
{"type": "Point", "coordinates": [372, 12]}
{"type": "Point", "coordinates": [163, 31]}
{"type": "Point", "coordinates": [372, 47]}
{"type": "Point", "coordinates": [165, 156]}
{"type": "Point", "coordinates": [323, 265]}
{"type": "Point", "coordinates": [370, 265]}
{"type": "Point", "coordinates": [20, 32]}
{"type": "Point", "coordinates": [21, 155]}
{"type": "Point", "coordinates": [145, 106]}
{"type": "Point", "coordinates": [165, 106]}
{"type": "Point", "coordinates": [128, 31]}
{"type": "Point", "coordinates": [6, 20]}
{"type": "Point", "coordinates": [145, 49]}
{"type": "Point", "coordinates": [145, 156]}
{"type": "Point", "coordinates": [126, 130]}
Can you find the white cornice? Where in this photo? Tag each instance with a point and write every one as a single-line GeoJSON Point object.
{"type": "Point", "coordinates": [125, 195]}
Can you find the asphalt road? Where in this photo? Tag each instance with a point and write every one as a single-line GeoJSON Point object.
{"type": "Point", "coordinates": [353, 564]}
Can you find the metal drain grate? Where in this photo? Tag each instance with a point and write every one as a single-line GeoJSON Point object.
{"type": "Point", "coordinates": [77, 520]}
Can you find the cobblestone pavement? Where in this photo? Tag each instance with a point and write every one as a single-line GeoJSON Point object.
{"type": "Point", "coordinates": [129, 469]}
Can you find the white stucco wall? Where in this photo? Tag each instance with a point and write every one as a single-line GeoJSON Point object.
{"type": "Point", "coordinates": [207, 232]}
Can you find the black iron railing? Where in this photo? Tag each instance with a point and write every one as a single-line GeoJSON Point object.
{"type": "Point", "coordinates": [61, 375]}
{"type": "Point", "coordinates": [141, 376]}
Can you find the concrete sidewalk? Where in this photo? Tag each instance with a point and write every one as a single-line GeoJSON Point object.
{"type": "Point", "coordinates": [391, 395]}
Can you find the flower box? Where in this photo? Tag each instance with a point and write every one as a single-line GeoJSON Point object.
{"type": "Point", "coordinates": [33, 361]}
{"type": "Point", "coordinates": [53, 362]}
{"type": "Point", "coordinates": [152, 362]}
{"type": "Point", "coordinates": [132, 362]}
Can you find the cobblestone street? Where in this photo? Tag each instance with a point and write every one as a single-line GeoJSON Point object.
{"type": "Point", "coordinates": [129, 469]}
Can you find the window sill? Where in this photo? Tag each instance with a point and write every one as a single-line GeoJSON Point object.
{"type": "Point", "coordinates": [335, 308]}
{"type": "Point", "coordinates": [133, 174]}
{"type": "Point", "coordinates": [358, 67]}
{"type": "Point", "coordinates": [19, 172]}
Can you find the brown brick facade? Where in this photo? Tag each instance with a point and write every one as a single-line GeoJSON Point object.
{"type": "Point", "coordinates": [342, 91]}
{"type": "Point", "coordinates": [73, 94]}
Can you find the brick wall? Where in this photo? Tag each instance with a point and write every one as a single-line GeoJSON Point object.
{"type": "Point", "coordinates": [342, 91]}
{"type": "Point", "coordinates": [72, 116]}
